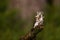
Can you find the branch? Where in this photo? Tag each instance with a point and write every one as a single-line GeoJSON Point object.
{"type": "Point", "coordinates": [38, 27]}
{"type": "Point", "coordinates": [32, 34]}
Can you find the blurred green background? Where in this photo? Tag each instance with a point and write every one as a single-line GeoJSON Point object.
{"type": "Point", "coordinates": [12, 25]}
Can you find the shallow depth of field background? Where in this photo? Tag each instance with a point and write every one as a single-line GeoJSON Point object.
{"type": "Point", "coordinates": [17, 18]}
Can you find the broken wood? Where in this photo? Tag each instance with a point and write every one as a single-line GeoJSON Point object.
{"type": "Point", "coordinates": [38, 27]}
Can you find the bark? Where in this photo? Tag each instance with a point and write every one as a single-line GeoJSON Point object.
{"type": "Point", "coordinates": [31, 35]}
